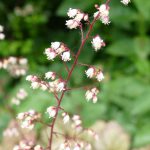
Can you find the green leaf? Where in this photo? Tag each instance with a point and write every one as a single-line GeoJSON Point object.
{"type": "Point", "coordinates": [122, 16]}
{"type": "Point", "coordinates": [142, 103]}
{"type": "Point", "coordinates": [143, 7]}
{"type": "Point", "coordinates": [143, 136]}
{"type": "Point", "coordinates": [122, 47]}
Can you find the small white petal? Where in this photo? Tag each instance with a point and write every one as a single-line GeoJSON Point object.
{"type": "Point", "coordinates": [55, 45]}
{"type": "Point", "coordinates": [66, 56]}
{"type": "Point", "coordinates": [72, 12]}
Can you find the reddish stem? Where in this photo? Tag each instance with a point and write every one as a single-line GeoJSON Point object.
{"type": "Point", "coordinates": [68, 77]}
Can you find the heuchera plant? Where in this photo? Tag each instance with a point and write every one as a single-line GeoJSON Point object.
{"type": "Point", "coordinates": [58, 86]}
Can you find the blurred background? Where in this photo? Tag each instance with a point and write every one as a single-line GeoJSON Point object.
{"type": "Point", "coordinates": [30, 26]}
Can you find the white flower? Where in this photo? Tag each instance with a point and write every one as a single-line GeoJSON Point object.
{"type": "Point", "coordinates": [77, 147]}
{"type": "Point", "coordinates": [75, 117]}
{"type": "Point", "coordinates": [79, 17]}
{"type": "Point", "coordinates": [88, 95]}
{"type": "Point", "coordinates": [72, 24]}
{"type": "Point", "coordinates": [51, 56]}
{"type": "Point", "coordinates": [51, 111]}
{"type": "Point", "coordinates": [72, 12]}
{"type": "Point", "coordinates": [16, 147]}
{"type": "Point", "coordinates": [23, 61]}
{"type": "Point", "coordinates": [28, 119]}
{"type": "Point", "coordinates": [104, 10]}
{"type": "Point", "coordinates": [86, 17]}
{"type": "Point", "coordinates": [90, 72]}
{"type": "Point", "coordinates": [100, 76]}
{"type": "Point", "coordinates": [2, 36]}
{"type": "Point", "coordinates": [21, 116]}
{"type": "Point", "coordinates": [61, 49]}
{"type": "Point", "coordinates": [92, 95]}
{"type": "Point", "coordinates": [60, 86]}
{"type": "Point", "coordinates": [38, 147]}
{"type": "Point", "coordinates": [22, 94]}
{"type": "Point", "coordinates": [15, 101]}
{"type": "Point", "coordinates": [105, 20]}
{"type": "Point", "coordinates": [66, 56]}
{"type": "Point", "coordinates": [125, 2]}
{"type": "Point", "coordinates": [50, 53]}
{"type": "Point", "coordinates": [55, 45]}
{"type": "Point", "coordinates": [50, 75]}
{"type": "Point", "coordinates": [35, 85]}
{"type": "Point", "coordinates": [43, 87]}
{"type": "Point", "coordinates": [78, 122]}
{"type": "Point", "coordinates": [103, 14]}
{"type": "Point", "coordinates": [95, 99]}
{"type": "Point", "coordinates": [12, 60]}
{"type": "Point", "coordinates": [29, 78]}
{"type": "Point", "coordinates": [97, 43]}
{"type": "Point", "coordinates": [27, 123]}
{"type": "Point", "coordinates": [88, 147]}
{"type": "Point", "coordinates": [66, 118]}
{"type": "Point", "coordinates": [65, 146]}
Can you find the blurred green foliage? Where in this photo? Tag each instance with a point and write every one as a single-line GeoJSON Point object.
{"type": "Point", "coordinates": [30, 26]}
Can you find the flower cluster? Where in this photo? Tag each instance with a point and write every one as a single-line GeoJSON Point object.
{"type": "Point", "coordinates": [68, 145]}
{"type": "Point", "coordinates": [80, 137]}
{"type": "Point", "coordinates": [97, 43]}
{"type": "Point", "coordinates": [50, 75]}
{"type": "Point", "coordinates": [92, 94]}
{"type": "Point", "coordinates": [58, 48]}
{"type": "Point", "coordinates": [38, 147]}
{"type": "Point", "coordinates": [15, 66]}
{"type": "Point", "coordinates": [51, 111]}
{"type": "Point", "coordinates": [102, 13]}
{"type": "Point", "coordinates": [108, 132]}
{"type": "Point", "coordinates": [77, 123]}
{"type": "Point", "coordinates": [27, 145]}
{"type": "Point", "coordinates": [24, 145]}
{"type": "Point", "coordinates": [66, 117]}
{"type": "Point", "coordinates": [21, 95]}
{"type": "Point", "coordinates": [93, 72]}
{"type": "Point", "coordinates": [28, 119]}
{"type": "Point", "coordinates": [125, 2]}
{"type": "Point", "coordinates": [57, 85]}
{"type": "Point", "coordinates": [2, 35]}
{"type": "Point", "coordinates": [11, 132]}
{"type": "Point", "coordinates": [76, 16]}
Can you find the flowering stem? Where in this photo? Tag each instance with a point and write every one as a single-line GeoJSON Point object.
{"type": "Point", "coordinates": [68, 78]}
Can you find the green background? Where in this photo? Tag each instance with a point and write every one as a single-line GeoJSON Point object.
{"type": "Point", "coordinates": [124, 96]}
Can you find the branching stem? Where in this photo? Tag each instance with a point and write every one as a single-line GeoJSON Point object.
{"type": "Point", "coordinates": [68, 78]}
